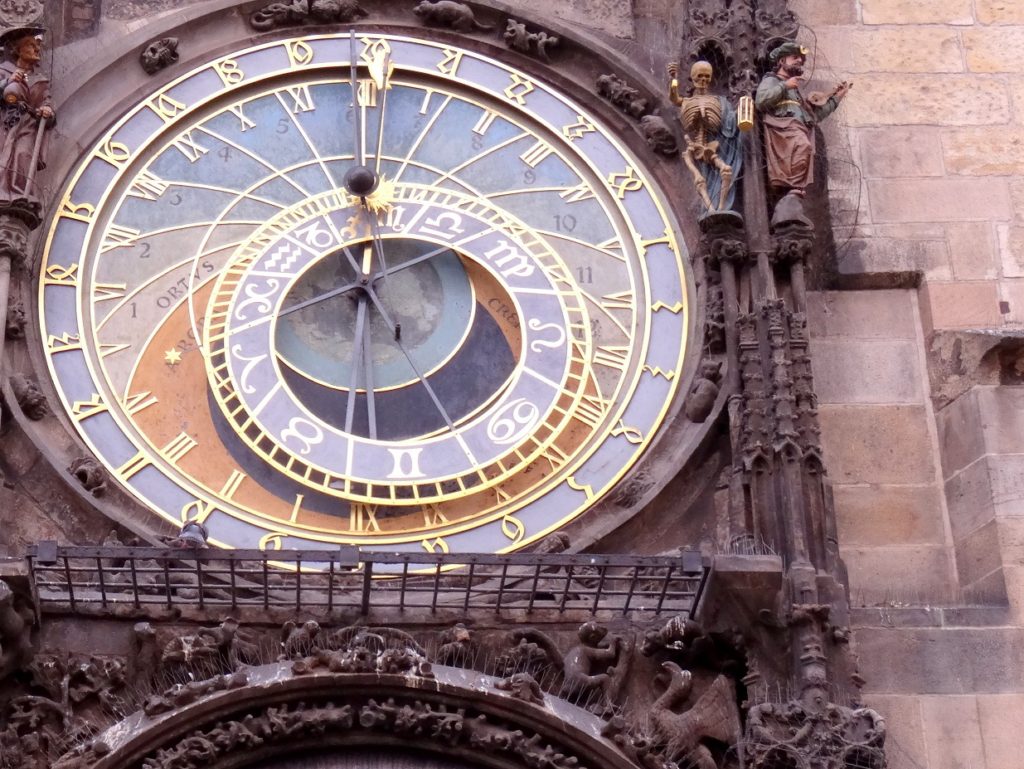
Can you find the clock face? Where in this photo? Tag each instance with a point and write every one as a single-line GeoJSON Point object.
{"type": "Point", "coordinates": [463, 360]}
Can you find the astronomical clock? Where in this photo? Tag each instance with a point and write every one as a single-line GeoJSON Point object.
{"type": "Point", "coordinates": [365, 287]}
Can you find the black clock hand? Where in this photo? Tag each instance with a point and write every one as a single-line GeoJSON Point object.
{"type": "Point", "coordinates": [356, 107]}
{"type": "Point", "coordinates": [371, 408]}
{"type": "Point", "coordinates": [382, 78]}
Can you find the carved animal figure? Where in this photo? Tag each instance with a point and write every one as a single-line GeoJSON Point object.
{"type": "Point", "coordinates": [297, 640]}
{"type": "Point", "coordinates": [450, 14]}
{"type": "Point", "coordinates": [90, 474]}
{"type": "Point", "coordinates": [456, 647]}
{"type": "Point", "coordinates": [29, 397]}
{"type": "Point", "coordinates": [713, 717]}
{"type": "Point", "coordinates": [523, 687]}
{"type": "Point", "coordinates": [590, 664]}
{"type": "Point", "coordinates": [622, 95]}
{"type": "Point", "coordinates": [704, 392]}
{"type": "Point", "coordinates": [330, 11]}
{"type": "Point", "coordinates": [278, 15]}
{"type": "Point", "coordinates": [518, 38]}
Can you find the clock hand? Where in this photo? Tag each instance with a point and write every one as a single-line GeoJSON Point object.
{"type": "Point", "coordinates": [412, 364]}
{"type": "Point", "coordinates": [371, 409]}
{"type": "Point", "coordinates": [356, 107]}
{"type": "Point", "coordinates": [358, 362]}
{"type": "Point", "coordinates": [381, 69]}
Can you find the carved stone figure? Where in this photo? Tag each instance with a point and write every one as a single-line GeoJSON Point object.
{"type": "Point", "coordinates": [26, 113]}
{"type": "Point", "coordinates": [15, 321]}
{"type": "Point", "coordinates": [456, 648]}
{"type": "Point", "coordinates": [704, 392]}
{"type": "Point", "coordinates": [658, 135]}
{"type": "Point", "coordinates": [159, 55]}
{"type": "Point", "coordinates": [298, 640]}
{"type": "Point", "coordinates": [589, 666]}
{"type": "Point", "coordinates": [181, 695]}
{"type": "Point", "coordinates": [223, 644]}
{"type": "Point", "coordinates": [523, 687]}
{"type": "Point", "coordinates": [713, 718]}
{"type": "Point", "coordinates": [712, 152]}
{"type": "Point", "coordinates": [789, 118]}
{"type": "Point", "coordinates": [90, 474]}
{"type": "Point", "coordinates": [518, 38]}
{"type": "Point", "coordinates": [29, 397]}
{"type": "Point", "coordinates": [15, 631]}
{"type": "Point", "coordinates": [622, 95]}
{"type": "Point", "coordinates": [449, 14]}
{"type": "Point", "coordinates": [531, 651]}
{"type": "Point", "coordinates": [279, 15]}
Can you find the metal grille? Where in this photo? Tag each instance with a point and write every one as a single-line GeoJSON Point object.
{"type": "Point", "coordinates": [104, 579]}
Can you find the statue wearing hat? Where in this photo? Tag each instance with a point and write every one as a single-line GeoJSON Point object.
{"type": "Point", "coordinates": [789, 118]}
{"type": "Point", "coordinates": [25, 112]}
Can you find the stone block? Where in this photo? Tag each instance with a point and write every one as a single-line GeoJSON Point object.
{"type": "Point", "coordinates": [814, 13]}
{"type": "Point", "coordinates": [973, 304]}
{"type": "Point", "coordinates": [952, 732]}
{"type": "Point", "coordinates": [999, 11]}
{"type": "Point", "coordinates": [1007, 478]}
{"type": "Point", "coordinates": [877, 444]}
{"type": "Point", "coordinates": [862, 314]}
{"type": "Point", "coordinates": [961, 435]}
{"type": "Point", "coordinates": [972, 250]}
{"type": "Point", "coordinates": [1011, 540]}
{"type": "Point", "coordinates": [1001, 718]}
{"type": "Point", "coordinates": [1011, 250]}
{"type": "Point", "coordinates": [977, 554]}
{"type": "Point", "coordinates": [939, 200]}
{"type": "Point", "coordinates": [866, 371]}
{"type": "Point", "coordinates": [878, 255]}
{"type": "Point", "coordinates": [969, 499]}
{"type": "Point", "coordinates": [994, 50]}
{"type": "Point", "coordinates": [916, 12]}
{"type": "Point", "coordinates": [873, 516]}
{"type": "Point", "coordinates": [905, 49]}
{"type": "Point", "coordinates": [920, 99]}
{"type": "Point", "coordinates": [900, 151]}
{"type": "Point", "coordinates": [905, 746]}
{"type": "Point", "coordinates": [1017, 187]}
{"type": "Point", "coordinates": [901, 574]}
{"type": "Point", "coordinates": [1014, 576]}
{"type": "Point", "coordinates": [1001, 413]}
{"type": "Point", "coordinates": [983, 151]}
{"type": "Point", "coordinates": [941, 660]}
{"type": "Point", "coordinates": [612, 17]}
{"type": "Point", "coordinates": [1011, 291]}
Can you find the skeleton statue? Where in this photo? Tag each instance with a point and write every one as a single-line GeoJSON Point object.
{"type": "Point", "coordinates": [712, 152]}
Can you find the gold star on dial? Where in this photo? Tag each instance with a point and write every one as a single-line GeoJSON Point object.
{"type": "Point", "coordinates": [171, 357]}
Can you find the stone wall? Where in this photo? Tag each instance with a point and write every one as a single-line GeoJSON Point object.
{"type": "Point", "coordinates": [926, 445]}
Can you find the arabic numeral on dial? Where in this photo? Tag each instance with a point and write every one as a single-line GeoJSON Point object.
{"type": "Point", "coordinates": [538, 345]}
{"type": "Point", "coordinates": [529, 177]}
{"type": "Point", "coordinates": [258, 298]}
{"type": "Point", "coordinates": [225, 154]}
{"type": "Point", "coordinates": [585, 274]}
{"type": "Point", "coordinates": [513, 422]}
{"type": "Point", "coordinates": [304, 433]}
{"type": "Point", "coordinates": [565, 222]}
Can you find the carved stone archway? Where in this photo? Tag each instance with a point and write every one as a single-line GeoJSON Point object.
{"type": "Point", "coordinates": [263, 713]}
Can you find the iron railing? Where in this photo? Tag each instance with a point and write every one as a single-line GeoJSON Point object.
{"type": "Point", "coordinates": [99, 579]}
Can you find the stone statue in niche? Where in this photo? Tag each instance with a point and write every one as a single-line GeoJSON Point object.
{"type": "Point", "coordinates": [26, 113]}
{"type": "Point", "coordinates": [712, 129]}
{"type": "Point", "coordinates": [789, 119]}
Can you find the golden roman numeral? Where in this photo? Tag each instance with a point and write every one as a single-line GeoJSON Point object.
{"type": "Point", "coordinates": [366, 94]}
{"type": "Point", "coordinates": [245, 123]}
{"type": "Point", "coordinates": [362, 517]}
{"type": "Point", "coordinates": [592, 410]}
{"type": "Point", "coordinates": [134, 465]}
{"type": "Point", "coordinates": [90, 408]}
{"type": "Point", "coordinates": [534, 156]}
{"type": "Point", "coordinates": [181, 445]}
{"type": "Point", "coordinates": [118, 236]}
{"type": "Point", "coordinates": [148, 186]}
{"type": "Point", "coordinates": [133, 404]}
{"type": "Point", "coordinates": [675, 309]}
{"type": "Point", "coordinates": [104, 291]}
{"type": "Point", "coordinates": [106, 350]}
{"type": "Point", "coordinates": [581, 191]}
{"type": "Point", "coordinates": [486, 120]}
{"type": "Point", "coordinates": [302, 99]}
{"type": "Point", "coordinates": [612, 356]}
{"type": "Point", "coordinates": [432, 516]}
{"type": "Point", "coordinates": [623, 300]}
{"type": "Point", "coordinates": [189, 147]}
{"type": "Point", "coordinates": [555, 457]}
